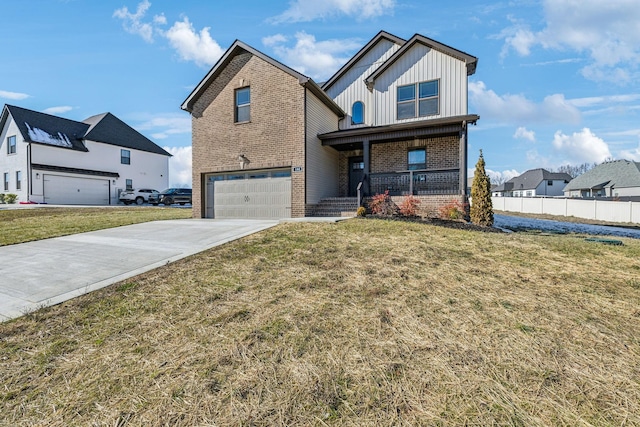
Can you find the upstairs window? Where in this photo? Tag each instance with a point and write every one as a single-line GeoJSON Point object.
{"type": "Point", "coordinates": [125, 157]}
{"type": "Point", "coordinates": [418, 100]}
{"type": "Point", "coordinates": [11, 145]}
{"type": "Point", "coordinates": [357, 113]}
{"type": "Point", "coordinates": [243, 105]}
{"type": "Point", "coordinates": [417, 159]}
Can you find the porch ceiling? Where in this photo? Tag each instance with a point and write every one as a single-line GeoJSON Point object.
{"type": "Point", "coordinates": [350, 139]}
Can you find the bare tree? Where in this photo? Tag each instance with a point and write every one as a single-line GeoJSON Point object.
{"type": "Point", "coordinates": [575, 170]}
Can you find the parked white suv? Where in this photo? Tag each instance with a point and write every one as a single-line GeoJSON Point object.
{"type": "Point", "coordinates": [137, 196]}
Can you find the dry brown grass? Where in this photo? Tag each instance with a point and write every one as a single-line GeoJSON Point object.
{"type": "Point", "coordinates": [364, 322]}
{"type": "Point", "coordinates": [25, 225]}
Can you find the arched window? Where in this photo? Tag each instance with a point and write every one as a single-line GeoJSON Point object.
{"type": "Point", "coordinates": [357, 113]}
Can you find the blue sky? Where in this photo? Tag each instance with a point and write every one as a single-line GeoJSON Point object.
{"type": "Point", "coordinates": [556, 83]}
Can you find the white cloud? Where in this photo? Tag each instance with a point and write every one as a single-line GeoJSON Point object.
{"type": "Point", "coordinates": [309, 10]}
{"type": "Point", "coordinates": [190, 44]}
{"type": "Point", "coordinates": [515, 109]}
{"type": "Point", "coordinates": [132, 22]}
{"type": "Point", "coordinates": [162, 126]}
{"type": "Point", "coordinates": [581, 147]}
{"type": "Point", "coordinates": [317, 59]}
{"type": "Point", "coordinates": [605, 31]}
{"type": "Point", "coordinates": [179, 166]}
{"type": "Point", "coordinates": [16, 96]}
{"type": "Point", "coordinates": [633, 154]}
{"type": "Point", "coordinates": [523, 133]}
{"type": "Point", "coordinates": [497, 177]}
{"type": "Point", "coordinates": [58, 110]}
{"type": "Point", "coordinates": [193, 46]}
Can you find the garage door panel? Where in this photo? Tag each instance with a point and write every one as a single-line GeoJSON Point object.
{"type": "Point", "coordinates": [68, 190]}
{"type": "Point", "coordinates": [253, 198]}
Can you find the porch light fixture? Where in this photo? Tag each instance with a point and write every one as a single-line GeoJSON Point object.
{"type": "Point", "coordinates": [243, 161]}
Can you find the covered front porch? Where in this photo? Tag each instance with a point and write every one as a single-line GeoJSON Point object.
{"type": "Point", "coordinates": [421, 158]}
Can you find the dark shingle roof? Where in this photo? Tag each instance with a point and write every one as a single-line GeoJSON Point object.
{"type": "Point", "coordinates": [532, 178]}
{"type": "Point", "coordinates": [619, 174]}
{"type": "Point", "coordinates": [109, 129]}
{"type": "Point", "coordinates": [46, 129]}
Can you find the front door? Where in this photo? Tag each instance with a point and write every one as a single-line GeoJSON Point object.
{"type": "Point", "coordinates": [356, 173]}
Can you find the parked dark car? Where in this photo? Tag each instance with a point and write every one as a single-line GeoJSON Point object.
{"type": "Point", "coordinates": [171, 196]}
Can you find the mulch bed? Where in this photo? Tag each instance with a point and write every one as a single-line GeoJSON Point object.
{"type": "Point", "coordinates": [448, 223]}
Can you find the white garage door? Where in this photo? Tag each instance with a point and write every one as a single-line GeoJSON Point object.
{"type": "Point", "coordinates": [260, 198]}
{"type": "Point", "coordinates": [67, 190]}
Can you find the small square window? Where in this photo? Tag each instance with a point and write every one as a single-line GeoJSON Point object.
{"type": "Point", "coordinates": [550, 182]}
{"type": "Point", "coordinates": [11, 145]}
{"type": "Point", "coordinates": [125, 157]}
{"type": "Point", "coordinates": [129, 184]}
{"type": "Point", "coordinates": [243, 105]}
{"type": "Point", "coordinates": [417, 159]}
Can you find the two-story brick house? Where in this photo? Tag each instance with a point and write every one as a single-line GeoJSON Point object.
{"type": "Point", "coordinates": [268, 142]}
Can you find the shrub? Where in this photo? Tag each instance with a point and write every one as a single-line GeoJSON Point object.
{"type": "Point", "coordinates": [409, 206]}
{"type": "Point", "coordinates": [453, 210]}
{"type": "Point", "coordinates": [481, 204]}
{"type": "Point", "coordinates": [361, 212]}
{"type": "Point", "coordinates": [10, 198]}
{"type": "Point", "coordinates": [381, 204]}
{"type": "Point", "coordinates": [1, 197]}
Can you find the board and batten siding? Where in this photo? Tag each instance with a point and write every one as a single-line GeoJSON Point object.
{"type": "Point", "coordinates": [422, 63]}
{"type": "Point", "coordinates": [322, 162]}
{"type": "Point", "coordinates": [351, 86]}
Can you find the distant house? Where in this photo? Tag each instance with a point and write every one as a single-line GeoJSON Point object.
{"type": "Point", "coordinates": [50, 159]}
{"type": "Point", "coordinates": [269, 142]}
{"type": "Point", "coordinates": [533, 183]}
{"type": "Point", "coordinates": [619, 178]}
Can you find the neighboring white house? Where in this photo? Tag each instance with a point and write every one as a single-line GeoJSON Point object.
{"type": "Point", "coordinates": [50, 159]}
{"type": "Point", "coordinates": [619, 178]}
{"type": "Point", "coordinates": [533, 183]}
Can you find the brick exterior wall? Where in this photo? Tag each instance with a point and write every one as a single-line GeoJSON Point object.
{"type": "Point", "coordinates": [442, 153]}
{"type": "Point", "coordinates": [273, 138]}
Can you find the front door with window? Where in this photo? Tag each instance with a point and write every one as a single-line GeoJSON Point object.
{"type": "Point", "coordinates": [356, 174]}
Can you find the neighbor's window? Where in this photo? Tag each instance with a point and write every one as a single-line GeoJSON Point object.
{"type": "Point", "coordinates": [426, 103]}
{"type": "Point", "coordinates": [18, 180]}
{"type": "Point", "coordinates": [125, 157]}
{"type": "Point", "coordinates": [550, 182]}
{"type": "Point", "coordinates": [6, 181]}
{"type": "Point", "coordinates": [243, 103]}
{"type": "Point", "coordinates": [129, 184]}
{"type": "Point", "coordinates": [11, 145]}
{"type": "Point", "coordinates": [417, 159]}
{"type": "Point", "coordinates": [357, 113]}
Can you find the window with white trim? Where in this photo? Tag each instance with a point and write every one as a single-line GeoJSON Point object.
{"type": "Point", "coordinates": [11, 145]}
{"type": "Point", "coordinates": [129, 184]}
{"type": "Point", "coordinates": [418, 100]}
{"type": "Point", "coordinates": [125, 157]}
{"type": "Point", "coordinates": [6, 181]}
{"type": "Point", "coordinates": [242, 105]}
{"type": "Point", "coordinates": [18, 180]}
{"type": "Point", "coordinates": [357, 113]}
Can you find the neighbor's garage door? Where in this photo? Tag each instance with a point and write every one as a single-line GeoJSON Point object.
{"type": "Point", "coordinates": [263, 198]}
{"type": "Point", "coordinates": [66, 190]}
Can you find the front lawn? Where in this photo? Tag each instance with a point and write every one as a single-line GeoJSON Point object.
{"type": "Point", "coordinates": [25, 225]}
{"type": "Point", "coordinates": [363, 322]}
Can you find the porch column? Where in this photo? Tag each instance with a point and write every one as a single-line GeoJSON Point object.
{"type": "Point", "coordinates": [463, 159]}
{"type": "Point", "coordinates": [366, 159]}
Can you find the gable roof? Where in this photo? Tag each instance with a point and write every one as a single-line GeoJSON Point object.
{"type": "Point", "coordinates": [470, 60]}
{"type": "Point", "coordinates": [239, 47]}
{"type": "Point", "coordinates": [109, 129]}
{"type": "Point", "coordinates": [382, 35]}
{"type": "Point", "coordinates": [41, 128]}
{"type": "Point", "coordinates": [532, 178]}
{"type": "Point", "coordinates": [618, 173]}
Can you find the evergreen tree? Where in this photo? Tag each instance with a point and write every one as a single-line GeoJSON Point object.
{"type": "Point", "coordinates": [481, 206]}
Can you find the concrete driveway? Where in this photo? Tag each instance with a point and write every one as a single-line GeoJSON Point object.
{"type": "Point", "coordinates": [47, 272]}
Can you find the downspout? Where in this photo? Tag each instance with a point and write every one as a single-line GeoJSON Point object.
{"type": "Point", "coordinates": [463, 160]}
{"type": "Point", "coordinates": [28, 174]}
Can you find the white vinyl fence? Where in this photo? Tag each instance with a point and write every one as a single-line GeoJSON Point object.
{"type": "Point", "coordinates": [590, 209]}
